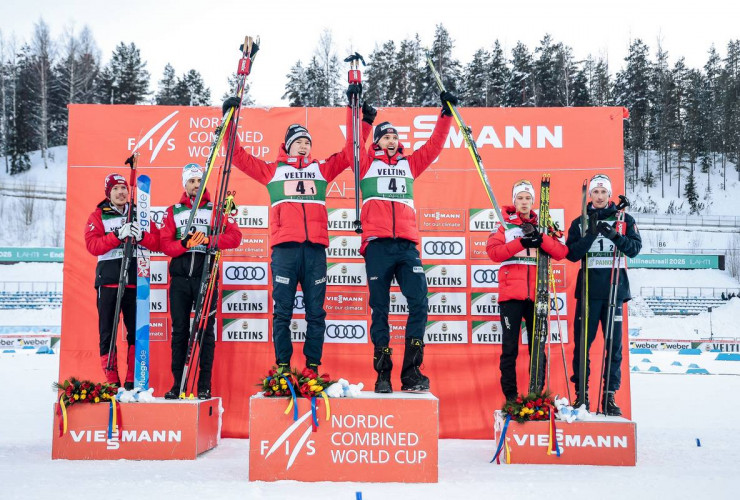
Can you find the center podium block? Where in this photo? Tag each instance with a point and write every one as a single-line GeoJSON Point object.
{"type": "Point", "coordinates": [372, 438]}
{"type": "Point", "coordinates": [157, 430]}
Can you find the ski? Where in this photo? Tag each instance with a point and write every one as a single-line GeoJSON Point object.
{"type": "Point", "coordinates": [354, 77]}
{"type": "Point", "coordinates": [541, 328]}
{"type": "Point", "coordinates": [582, 379]}
{"type": "Point", "coordinates": [222, 208]}
{"type": "Point", "coordinates": [470, 143]}
{"type": "Point", "coordinates": [143, 277]}
{"type": "Point", "coordinates": [128, 249]}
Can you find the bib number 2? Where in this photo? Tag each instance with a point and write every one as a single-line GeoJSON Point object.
{"type": "Point", "coordinates": [300, 188]}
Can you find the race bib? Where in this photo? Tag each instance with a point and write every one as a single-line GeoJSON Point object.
{"type": "Point", "coordinates": [299, 188]}
{"type": "Point", "coordinates": [392, 185]}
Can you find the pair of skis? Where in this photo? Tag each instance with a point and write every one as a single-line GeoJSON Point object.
{"type": "Point", "coordinates": [140, 191]}
{"type": "Point", "coordinates": [224, 206]}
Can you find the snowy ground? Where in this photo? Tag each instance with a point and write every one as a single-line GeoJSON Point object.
{"type": "Point", "coordinates": [671, 411]}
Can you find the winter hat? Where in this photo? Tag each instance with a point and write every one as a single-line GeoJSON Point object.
{"type": "Point", "coordinates": [294, 133]}
{"type": "Point", "coordinates": [382, 129]}
{"type": "Point", "coordinates": [114, 180]}
{"type": "Point", "coordinates": [600, 181]}
{"type": "Point", "coordinates": [191, 171]}
{"type": "Point", "coordinates": [523, 186]}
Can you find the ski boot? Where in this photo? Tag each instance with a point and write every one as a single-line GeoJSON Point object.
{"type": "Point", "coordinates": [131, 367]}
{"type": "Point", "coordinates": [582, 399]}
{"type": "Point", "coordinates": [411, 377]}
{"type": "Point", "coordinates": [111, 375]}
{"type": "Point", "coordinates": [173, 393]}
{"type": "Point", "coordinates": [313, 366]}
{"type": "Point", "coordinates": [204, 394]}
{"type": "Point", "coordinates": [383, 364]}
{"type": "Point", "coordinates": [608, 405]}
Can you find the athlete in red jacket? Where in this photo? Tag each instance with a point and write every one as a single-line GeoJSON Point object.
{"type": "Point", "coordinates": [389, 242]}
{"type": "Point", "coordinates": [514, 244]}
{"type": "Point", "coordinates": [105, 234]}
{"type": "Point", "coordinates": [299, 234]}
{"type": "Point", "coordinates": [186, 267]}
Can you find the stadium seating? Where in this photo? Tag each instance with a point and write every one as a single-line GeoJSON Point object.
{"type": "Point", "coordinates": [681, 306]}
{"type": "Point", "coordinates": [30, 300]}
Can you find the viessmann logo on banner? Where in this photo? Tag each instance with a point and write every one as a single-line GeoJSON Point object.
{"type": "Point", "coordinates": [443, 247]}
{"type": "Point", "coordinates": [484, 276]}
{"type": "Point", "coordinates": [252, 245]}
{"type": "Point", "coordinates": [244, 273]}
{"type": "Point", "coordinates": [483, 219]}
{"type": "Point", "coordinates": [441, 219]}
{"type": "Point", "coordinates": [244, 330]}
{"type": "Point", "coordinates": [446, 332]}
{"type": "Point", "coordinates": [255, 216]}
{"type": "Point", "coordinates": [341, 219]}
{"type": "Point", "coordinates": [244, 301]}
{"type": "Point", "coordinates": [346, 302]}
{"type": "Point", "coordinates": [347, 247]}
{"type": "Point", "coordinates": [345, 273]}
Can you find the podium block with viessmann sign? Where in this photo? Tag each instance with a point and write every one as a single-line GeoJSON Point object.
{"type": "Point", "coordinates": [158, 430]}
{"type": "Point", "coordinates": [372, 438]}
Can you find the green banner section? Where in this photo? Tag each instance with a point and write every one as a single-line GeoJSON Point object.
{"type": "Point", "coordinates": [31, 254]}
{"type": "Point", "coordinates": [674, 261]}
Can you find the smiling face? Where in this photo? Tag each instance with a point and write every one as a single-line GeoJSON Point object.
{"type": "Point", "coordinates": [523, 203]}
{"type": "Point", "coordinates": [300, 147]}
{"type": "Point", "coordinates": [119, 196]}
{"type": "Point", "coordinates": [389, 142]}
{"type": "Point", "coordinates": [599, 197]}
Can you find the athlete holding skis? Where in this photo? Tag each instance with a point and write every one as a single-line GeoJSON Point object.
{"type": "Point", "coordinates": [299, 233]}
{"type": "Point", "coordinates": [514, 244]}
{"type": "Point", "coordinates": [106, 231]}
{"type": "Point", "coordinates": [389, 240]}
{"type": "Point", "coordinates": [186, 267]}
{"type": "Point", "coordinates": [597, 246]}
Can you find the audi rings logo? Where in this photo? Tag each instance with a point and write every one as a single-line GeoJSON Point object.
{"type": "Point", "coordinates": [245, 273]}
{"type": "Point", "coordinates": [157, 215]}
{"type": "Point", "coordinates": [485, 276]}
{"type": "Point", "coordinates": [434, 247]}
{"type": "Point", "coordinates": [249, 273]}
{"type": "Point", "coordinates": [344, 331]}
{"type": "Point", "coordinates": [298, 302]}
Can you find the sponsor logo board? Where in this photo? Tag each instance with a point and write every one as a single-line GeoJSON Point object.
{"type": "Point", "coordinates": [158, 300]}
{"type": "Point", "coordinates": [484, 276]}
{"type": "Point", "coordinates": [244, 330]}
{"type": "Point", "coordinates": [251, 216]}
{"type": "Point", "coordinates": [346, 302]}
{"type": "Point", "coordinates": [341, 219]}
{"type": "Point", "coordinates": [244, 273]}
{"type": "Point", "coordinates": [252, 245]}
{"type": "Point", "coordinates": [486, 332]}
{"type": "Point", "coordinates": [344, 247]}
{"type": "Point", "coordinates": [443, 247]}
{"type": "Point", "coordinates": [441, 219]}
{"type": "Point", "coordinates": [478, 247]}
{"type": "Point", "coordinates": [158, 270]}
{"type": "Point", "coordinates": [483, 219]}
{"type": "Point", "coordinates": [346, 274]}
{"type": "Point", "coordinates": [446, 332]}
{"type": "Point", "coordinates": [446, 275]}
{"type": "Point", "coordinates": [244, 301]}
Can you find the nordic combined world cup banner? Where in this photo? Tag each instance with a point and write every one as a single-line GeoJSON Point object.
{"type": "Point", "coordinates": [463, 334]}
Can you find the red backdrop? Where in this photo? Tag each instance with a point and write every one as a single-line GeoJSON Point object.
{"type": "Point", "coordinates": [463, 342]}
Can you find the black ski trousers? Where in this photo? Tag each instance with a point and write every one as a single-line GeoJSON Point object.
{"type": "Point", "coordinates": [106, 313]}
{"type": "Point", "coordinates": [183, 294]}
{"type": "Point", "coordinates": [598, 312]}
{"type": "Point", "coordinates": [512, 314]}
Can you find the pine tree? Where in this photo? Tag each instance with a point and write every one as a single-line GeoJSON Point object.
{"type": "Point", "coordinates": [379, 87]}
{"type": "Point", "coordinates": [19, 130]}
{"type": "Point", "coordinates": [546, 74]}
{"type": "Point", "coordinates": [296, 89]}
{"type": "Point", "coordinates": [407, 73]}
{"type": "Point", "coordinates": [498, 77]}
{"type": "Point", "coordinates": [233, 82]}
{"type": "Point", "coordinates": [691, 194]}
{"type": "Point", "coordinates": [448, 67]}
{"type": "Point", "coordinates": [190, 90]}
{"type": "Point", "coordinates": [521, 87]}
{"type": "Point", "coordinates": [326, 72]}
{"type": "Point", "coordinates": [125, 79]}
{"type": "Point", "coordinates": [712, 72]}
{"type": "Point", "coordinates": [579, 90]}
{"type": "Point", "coordinates": [40, 84]}
{"type": "Point", "coordinates": [166, 95]}
{"type": "Point", "coordinates": [475, 90]}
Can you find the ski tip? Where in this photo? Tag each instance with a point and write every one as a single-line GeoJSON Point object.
{"type": "Point", "coordinates": [192, 396]}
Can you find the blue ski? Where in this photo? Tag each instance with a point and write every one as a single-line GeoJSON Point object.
{"type": "Point", "coordinates": [143, 276]}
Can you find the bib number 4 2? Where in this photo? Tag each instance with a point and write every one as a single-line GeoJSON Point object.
{"type": "Point", "coordinates": [392, 185]}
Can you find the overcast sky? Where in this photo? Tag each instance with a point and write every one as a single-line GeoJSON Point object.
{"type": "Point", "coordinates": [206, 35]}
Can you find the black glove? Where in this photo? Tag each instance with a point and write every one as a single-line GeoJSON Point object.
{"type": "Point", "coordinates": [354, 89]}
{"type": "Point", "coordinates": [529, 229]}
{"type": "Point", "coordinates": [231, 102]}
{"type": "Point", "coordinates": [593, 222]}
{"type": "Point", "coordinates": [447, 99]}
{"type": "Point", "coordinates": [623, 202]}
{"type": "Point", "coordinates": [368, 113]}
{"type": "Point", "coordinates": [532, 241]}
{"type": "Point", "coordinates": [607, 230]}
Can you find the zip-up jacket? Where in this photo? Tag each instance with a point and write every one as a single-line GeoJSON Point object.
{"type": "Point", "coordinates": [387, 181]}
{"type": "Point", "coordinates": [599, 250]}
{"type": "Point", "coordinates": [297, 187]}
{"type": "Point", "coordinates": [517, 277]}
{"type": "Point", "coordinates": [189, 262]}
{"type": "Point", "coordinates": [101, 240]}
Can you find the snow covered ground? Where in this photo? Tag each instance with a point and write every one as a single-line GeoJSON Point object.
{"type": "Point", "coordinates": [671, 411]}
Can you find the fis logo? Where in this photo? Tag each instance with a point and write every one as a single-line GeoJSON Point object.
{"type": "Point", "coordinates": [149, 142]}
{"type": "Point", "coordinates": [284, 442]}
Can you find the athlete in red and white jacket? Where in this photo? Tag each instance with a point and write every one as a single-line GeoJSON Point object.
{"type": "Point", "coordinates": [514, 244]}
{"type": "Point", "coordinates": [389, 240]}
{"type": "Point", "coordinates": [105, 234]}
{"type": "Point", "coordinates": [297, 186]}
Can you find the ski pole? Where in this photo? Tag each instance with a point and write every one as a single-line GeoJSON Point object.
{"type": "Point", "coordinates": [354, 77]}
{"type": "Point", "coordinates": [554, 294]}
{"type": "Point", "coordinates": [126, 258]}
